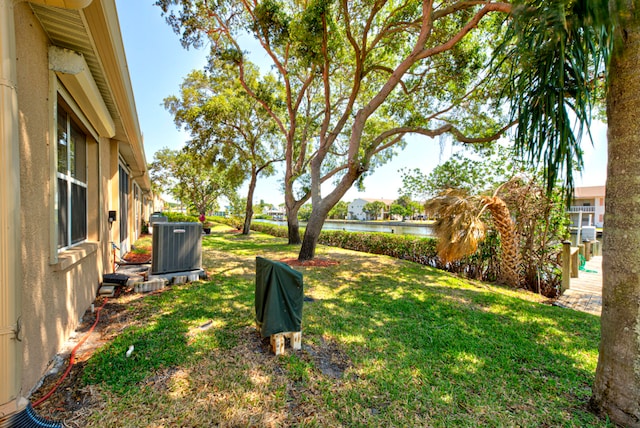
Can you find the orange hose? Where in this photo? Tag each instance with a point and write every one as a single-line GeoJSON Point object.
{"type": "Point", "coordinates": [72, 357]}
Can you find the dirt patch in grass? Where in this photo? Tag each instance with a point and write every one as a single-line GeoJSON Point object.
{"type": "Point", "coordinates": [75, 405]}
{"type": "Point", "coordinates": [316, 262]}
{"type": "Point", "coordinates": [328, 358]}
{"type": "Point", "coordinates": [71, 402]}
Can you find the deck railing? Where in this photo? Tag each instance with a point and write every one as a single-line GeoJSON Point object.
{"type": "Point", "coordinates": [584, 209]}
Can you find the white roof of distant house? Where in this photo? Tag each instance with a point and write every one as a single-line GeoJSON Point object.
{"type": "Point", "coordinates": [589, 192]}
{"type": "Point", "coordinates": [385, 201]}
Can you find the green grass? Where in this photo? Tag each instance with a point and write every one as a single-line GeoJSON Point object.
{"type": "Point", "coordinates": [143, 245]}
{"type": "Point", "coordinates": [385, 343]}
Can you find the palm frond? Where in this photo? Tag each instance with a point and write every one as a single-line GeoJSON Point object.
{"type": "Point", "coordinates": [555, 55]}
{"type": "Point", "coordinates": [458, 228]}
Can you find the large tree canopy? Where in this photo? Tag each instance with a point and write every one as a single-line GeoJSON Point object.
{"type": "Point", "coordinates": [224, 122]}
{"type": "Point", "coordinates": [194, 180]}
{"type": "Point", "coordinates": [477, 171]}
{"type": "Point", "coordinates": [358, 77]}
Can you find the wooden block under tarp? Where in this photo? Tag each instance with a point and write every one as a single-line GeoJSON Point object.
{"type": "Point", "coordinates": [278, 341]}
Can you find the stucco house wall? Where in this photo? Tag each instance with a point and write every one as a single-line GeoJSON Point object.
{"type": "Point", "coordinates": [356, 208]}
{"type": "Point", "coordinates": [51, 284]}
{"type": "Point", "coordinates": [55, 293]}
{"type": "Point", "coordinates": [52, 297]}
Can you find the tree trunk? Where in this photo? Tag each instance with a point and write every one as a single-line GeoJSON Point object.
{"type": "Point", "coordinates": [616, 391]}
{"type": "Point", "coordinates": [311, 235]}
{"type": "Point", "coordinates": [510, 258]}
{"type": "Point", "coordinates": [248, 213]}
{"type": "Point", "coordinates": [319, 213]}
{"type": "Point", "coordinates": [293, 226]}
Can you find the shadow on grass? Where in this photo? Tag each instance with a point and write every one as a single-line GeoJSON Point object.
{"type": "Point", "coordinates": [425, 347]}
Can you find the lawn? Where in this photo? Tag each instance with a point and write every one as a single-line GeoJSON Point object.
{"type": "Point", "coordinates": [385, 343]}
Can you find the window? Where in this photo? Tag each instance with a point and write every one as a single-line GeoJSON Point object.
{"type": "Point", "coordinates": [72, 181]}
{"type": "Point", "coordinates": [124, 206]}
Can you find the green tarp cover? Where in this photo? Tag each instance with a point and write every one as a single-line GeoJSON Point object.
{"type": "Point", "coordinates": [279, 296]}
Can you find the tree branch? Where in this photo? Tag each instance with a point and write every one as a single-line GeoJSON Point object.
{"type": "Point", "coordinates": [473, 22]}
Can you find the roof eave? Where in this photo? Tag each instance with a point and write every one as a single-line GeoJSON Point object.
{"type": "Point", "coordinates": [101, 18]}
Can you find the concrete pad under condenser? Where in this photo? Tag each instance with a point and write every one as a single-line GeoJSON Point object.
{"type": "Point", "coordinates": [192, 275]}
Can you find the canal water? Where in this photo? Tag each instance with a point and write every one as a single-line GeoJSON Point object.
{"type": "Point", "coordinates": [401, 228]}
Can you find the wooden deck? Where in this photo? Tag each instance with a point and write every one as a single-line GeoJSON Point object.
{"type": "Point", "coordinates": [585, 292]}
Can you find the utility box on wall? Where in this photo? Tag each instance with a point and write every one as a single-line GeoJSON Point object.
{"type": "Point", "coordinates": [177, 247]}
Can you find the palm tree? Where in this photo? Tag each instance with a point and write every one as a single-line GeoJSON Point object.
{"type": "Point", "coordinates": [616, 390]}
{"type": "Point", "coordinates": [459, 229]}
{"type": "Point", "coordinates": [576, 42]}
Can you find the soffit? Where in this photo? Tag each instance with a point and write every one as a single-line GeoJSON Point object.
{"type": "Point", "coordinates": [66, 29]}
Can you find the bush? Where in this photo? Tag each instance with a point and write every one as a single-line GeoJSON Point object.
{"type": "Point", "coordinates": [179, 217]}
{"type": "Point", "coordinates": [233, 221]}
{"type": "Point", "coordinates": [271, 229]}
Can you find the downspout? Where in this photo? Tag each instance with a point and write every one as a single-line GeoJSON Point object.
{"type": "Point", "coordinates": [10, 225]}
{"type": "Point", "coordinates": [11, 401]}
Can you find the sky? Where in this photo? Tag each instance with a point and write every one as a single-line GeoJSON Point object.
{"type": "Point", "coordinates": [157, 64]}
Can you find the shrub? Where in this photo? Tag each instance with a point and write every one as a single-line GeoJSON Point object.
{"type": "Point", "coordinates": [233, 221]}
{"type": "Point", "coordinates": [481, 265]}
{"type": "Point", "coordinates": [271, 229]}
{"type": "Point", "coordinates": [179, 217]}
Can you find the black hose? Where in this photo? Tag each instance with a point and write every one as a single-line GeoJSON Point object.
{"type": "Point", "coordinates": [27, 418]}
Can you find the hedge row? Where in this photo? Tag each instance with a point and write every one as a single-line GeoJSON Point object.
{"type": "Point", "coordinates": [481, 265]}
{"type": "Point", "coordinates": [412, 248]}
{"type": "Point", "coordinates": [179, 217]}
{"type": "Point", "coordinates": [415, 249]}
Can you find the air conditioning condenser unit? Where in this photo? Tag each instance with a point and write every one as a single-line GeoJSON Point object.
{"type": "Point", "coordinates": [177, 247]}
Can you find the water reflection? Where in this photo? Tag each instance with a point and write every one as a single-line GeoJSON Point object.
{"type": "Point", "coordinates": [401, 228]}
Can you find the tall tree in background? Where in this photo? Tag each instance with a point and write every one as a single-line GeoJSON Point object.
{"type": "Point", "coordinates": [228, 125]}
{"type": "Point", "coordinates": [374, 210]}
{"type": "Point", "coordinates": [340, 210]}
{"type": "Point", "coordinates": [478, 170]}
{"type": "Point", "coordinates": [193, 180]}
{"type": "Point", "coordinates": [359, 76]}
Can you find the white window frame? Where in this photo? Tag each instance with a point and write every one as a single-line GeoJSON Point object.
{"type": "Point", "coordinates": [69, 181]}
{"type": "Point", "coordinates": [58, 90]}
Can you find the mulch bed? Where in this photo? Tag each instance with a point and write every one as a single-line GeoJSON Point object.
{"type": "Point", "coordinates": [137, 258]}
{"type": "Point", "coordinates": [316, 262]}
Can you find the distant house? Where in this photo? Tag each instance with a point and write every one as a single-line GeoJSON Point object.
{"type": "Point", "coordinates": [356, 209]}
{"type": "Point", "coordinates": [587, 207]}
{"type": "Point", "coordinates": [73, 176]}
{"type": "Point", "coordinates": [277, 213]}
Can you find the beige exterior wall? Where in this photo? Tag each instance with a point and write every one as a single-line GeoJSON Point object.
{"type": "Point", "coordinates": [54, 295]}
{"type": "Point", "coordinates": [114, 196]}
{"type": "Point", "coordinates": [45, 291]}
